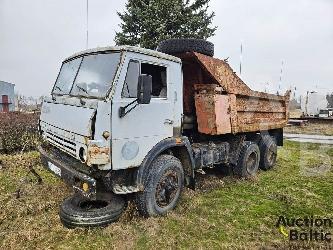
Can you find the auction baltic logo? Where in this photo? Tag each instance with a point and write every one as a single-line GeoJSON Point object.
{"type": "Point", "coordinates": [305, 229]}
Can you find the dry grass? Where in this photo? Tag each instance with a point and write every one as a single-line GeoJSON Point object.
{"type": "Point", "coordinates": [311, 128]}
{"type": "Point", "coordinates": [223, 213]}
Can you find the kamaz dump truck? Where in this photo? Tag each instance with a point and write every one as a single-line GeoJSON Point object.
{"type": "Point", "coordinates": [127, 120]}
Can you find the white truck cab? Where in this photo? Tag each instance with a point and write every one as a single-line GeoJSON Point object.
{"type": "Point", "coordinates": [83, 116]}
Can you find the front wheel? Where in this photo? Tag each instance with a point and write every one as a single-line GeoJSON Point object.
{"type": "Point", "coordinates": [163, 185]}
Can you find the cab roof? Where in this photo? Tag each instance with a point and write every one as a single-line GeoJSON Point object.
{"type": "Point", "coordinates": [148, 52]}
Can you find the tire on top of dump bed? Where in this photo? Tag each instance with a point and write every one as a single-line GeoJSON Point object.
{"type": "Point", "coordinates": [175, 46]}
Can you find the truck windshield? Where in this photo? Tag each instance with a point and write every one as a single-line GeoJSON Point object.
{"type": "Point", "coordinates": [89, 76]}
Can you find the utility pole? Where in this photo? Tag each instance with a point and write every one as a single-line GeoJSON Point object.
{"type": "Point", "coordinates": [266, 87]}
{"type": "Point", "coordinates": [241, 58]}
{"type": "Point", "coordinates": [281, 74]}
{"type": "Point", "coordinates": [87, 23]}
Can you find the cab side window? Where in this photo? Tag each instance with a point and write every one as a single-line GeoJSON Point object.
{"type": "Point", "coordinates": [159, 75]}
{"type": "Point", "coordinates": [159, 78]}
{"type": "Point", "coordinates": [131, 81]}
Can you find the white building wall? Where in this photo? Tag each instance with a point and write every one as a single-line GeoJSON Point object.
{"type": "Point", "coordinates": [7, 88]}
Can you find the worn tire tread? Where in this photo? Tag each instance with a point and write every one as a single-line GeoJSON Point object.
{"type": "Point", "coordinates": [239, 168]}
{"type": "Point", "coordinates": [72, 217]}
{"type": "Point", "coordinates": [176, 46]}
{"type": "Point", "coordinates": [149, 176]}
{"type": "Point", "coordinates": [264, 144]}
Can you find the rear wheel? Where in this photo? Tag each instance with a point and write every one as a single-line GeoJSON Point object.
{"type": "Point", "coordinates": [268, 152]}
{"type": "Point", "coordinates": [163, 185]}
{"type": "Point", "coordinates": [248, 160]}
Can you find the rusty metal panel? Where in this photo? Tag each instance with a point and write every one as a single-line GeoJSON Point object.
{"type": "Point", "coordinates": [261, 126]}
{"type": "Point", "coordinates": [222, 107]}
{"type": "Point", "coordinates": [193, 74]}
{"type": "Point", "coordinates": [206, 117]}
{"type": "Point", "coordinates": [212, 110]}
{"type": "Point", "coordinates": [98, 154]}
{"type": "Point", "coordinates": [255, 104]}
{"type": "Point", "coordinates": [233, 113]}
{"type": "Point", "coordinates": [218, 72]}
{"type": "Point", "coordinates": [219, 113]}
{"type": "Point", "coordinates": [223, 73]}
{"type": "Point", "coordinates": [262, 112]}
{"type": "Point", "coordinates": [190, 75]}
{"type": "Point", "coordinates": [249, 111]}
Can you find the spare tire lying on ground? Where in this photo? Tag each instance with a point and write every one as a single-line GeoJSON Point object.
{"type": "Point", "coordinates": [78, 211]}
{"type": "Point", "coordinates": [176, 46]}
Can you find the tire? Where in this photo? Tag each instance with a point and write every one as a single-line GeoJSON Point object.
{"type": "Point", "coordinates": [175, 46]}
{"type": "Point", "coordinates": [268, 152]}
{"type": "Point", "coordinates": [163, 186]}
{"type": "Point", "coordinates": [78, 211]}
{"type": "Point", "coordinates": [248, 160]}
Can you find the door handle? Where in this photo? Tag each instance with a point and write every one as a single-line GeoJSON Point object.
{"type": "Point", "coordinates": [168, 121]}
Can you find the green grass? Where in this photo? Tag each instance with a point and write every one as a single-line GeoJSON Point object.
{"type": "Point", "coordinates": [223, 213]}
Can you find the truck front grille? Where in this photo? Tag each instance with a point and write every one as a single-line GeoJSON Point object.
{"type": "Point", "coordinates": [62, 143]}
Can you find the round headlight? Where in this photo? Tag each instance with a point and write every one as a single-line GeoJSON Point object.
{"type": "Point", "coordinates": [130, 150]}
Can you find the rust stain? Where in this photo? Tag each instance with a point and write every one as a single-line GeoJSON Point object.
{"type": "Point", "coordinates": [98, 155]}
{"type": "Point", "coordinates": [222, 111]}
{"type": "Point", "coordinates": [178, 140]}
{"type": "Point", "coordinates": [213, 110]}
{"type": "Point", "coordinates": [223, 73]}
{"type": "Point", "coordinates": [94, 150]}
{"type": "Point", "coordinates": [233, 113]}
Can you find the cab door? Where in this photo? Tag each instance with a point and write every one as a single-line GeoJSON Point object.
{"type": "Point", "coordinates": [144, 125]}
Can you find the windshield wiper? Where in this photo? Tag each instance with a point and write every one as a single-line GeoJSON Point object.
{"type": "Point", "coordinates": [82, 89]}
{"type": "Point", "coordinates": [57, 87]}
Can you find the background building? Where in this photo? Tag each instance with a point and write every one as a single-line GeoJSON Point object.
{"type": "Point", "coordinates": [7, 97]}
{"type": "Point", "coordinates": [313, 102]}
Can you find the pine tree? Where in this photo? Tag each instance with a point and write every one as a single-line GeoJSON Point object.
{"type": "Point", "coordinates": [147, 22]}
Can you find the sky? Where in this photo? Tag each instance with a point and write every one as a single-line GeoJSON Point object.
{"type": "Point", "coordinates": [36, 35]}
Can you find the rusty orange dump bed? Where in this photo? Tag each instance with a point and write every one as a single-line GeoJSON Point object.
{"type": "Point", "coordinates": [223, 103]}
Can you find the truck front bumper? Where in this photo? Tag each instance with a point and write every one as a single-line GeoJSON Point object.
{"type": "Point", "coordinates": [62, 167]}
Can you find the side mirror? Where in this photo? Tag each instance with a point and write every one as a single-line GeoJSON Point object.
{"type": "Point", "coordinates": [144, 89]}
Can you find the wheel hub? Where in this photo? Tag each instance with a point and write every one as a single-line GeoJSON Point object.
{"type": "Point", "coordinates": [167, 188]}
{"type": "Point", "coordinates": [271, 155]}
{"type": "Point", "coordinates": [90, 205]}
{"type": "Point", "coordinates": [251, 162]}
